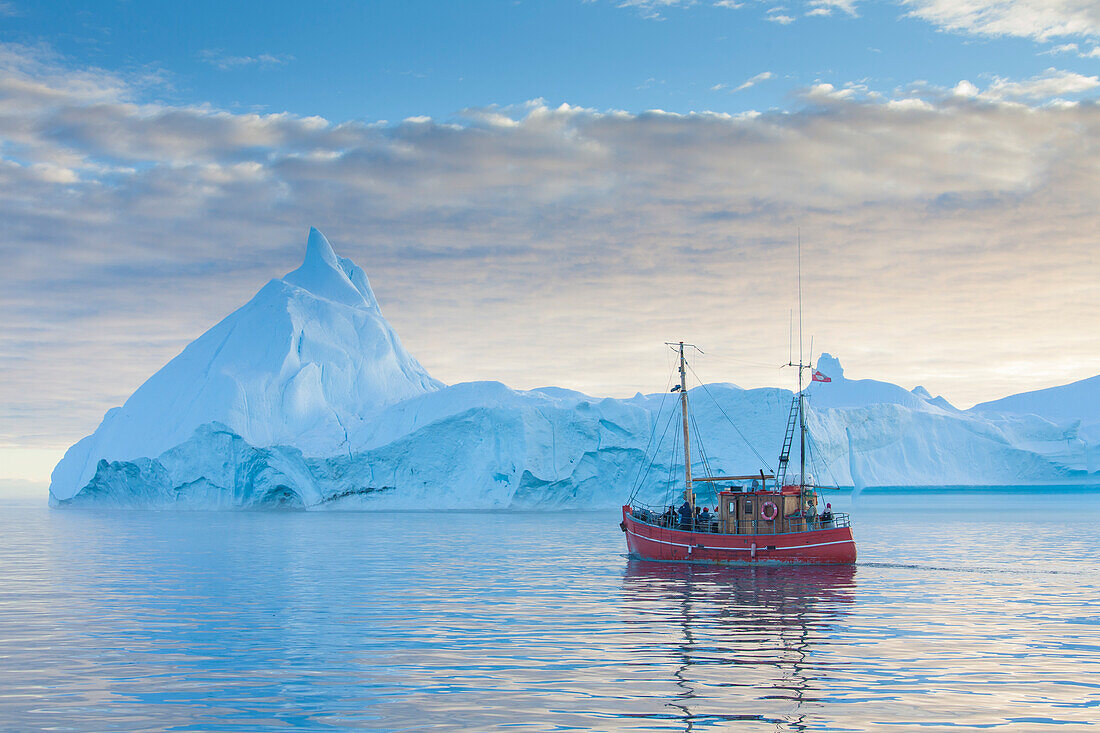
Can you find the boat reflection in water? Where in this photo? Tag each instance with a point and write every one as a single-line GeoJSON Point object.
{"type": "Point", "coordinates": [736, 644]}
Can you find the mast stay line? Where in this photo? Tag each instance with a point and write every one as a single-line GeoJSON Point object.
{"type": "Point", "coordinates": [763, 461]}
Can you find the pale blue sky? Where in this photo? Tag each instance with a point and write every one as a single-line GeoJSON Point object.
{"type": "Point", "coordinates": [524, 215]}
{"type": "Point", "coordinates": [389, 60]}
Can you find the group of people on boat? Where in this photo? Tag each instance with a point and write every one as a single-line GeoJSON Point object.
{"type": "Point", "coordinates": [824, 520]}
{"type": "Point", "coordinates": [702, 519]}
{"type": "Point", "coordinates": [813, 520]}
{"type": "Point", "coordinates": [699, 520]}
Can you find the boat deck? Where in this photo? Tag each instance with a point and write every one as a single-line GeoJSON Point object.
{"type": "Point", "coordinates": [714, 525]}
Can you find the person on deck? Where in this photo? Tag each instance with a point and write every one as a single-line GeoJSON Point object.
{"type": "Point", "coordinates": [827, 516]}
{"type": "Point", "coordinates": [810, 513]}
{"type": "Point", "coordinates": [685, 516]}
{"type": "Point", "coordinates": [704, 519]}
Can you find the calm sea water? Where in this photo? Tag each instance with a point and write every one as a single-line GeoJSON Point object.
{"type": "Point", "coordinates": [967, 610]}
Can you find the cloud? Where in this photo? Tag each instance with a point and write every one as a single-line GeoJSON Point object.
{"type": "Point", "coordinates": [550, 244]}
{"type": "Point", "coordinates": [966, 90]}
{"type": "Point", "coordinates": [778, 15]}
{"type": "Point", "coordinates": [227, 62]}
{"type": "Point", "coordinates": [827, 7]}
{"type": "Point", "coordinates": [750, 82]}
{"type": "Point", "coordinates": [652, 8]}
{"type": "Point", "coordinates": [1037, 19]}
{"type": "Point", "coordinates": [1052, 83]}
{"type": "Point", "coordinates": [824, 93]}
{"type": "Point", "coordinates": [1061, 48]}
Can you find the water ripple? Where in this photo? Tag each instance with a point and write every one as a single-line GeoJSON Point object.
{"type": "Point", "coordinates": [226, 622]}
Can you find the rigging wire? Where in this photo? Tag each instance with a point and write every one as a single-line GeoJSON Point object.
{"type": "Point", "coordinates": [702, 451]}
{"type": "Point", "coordinates": [656, 421]}
{"type": "Point", "coordinates": [699, 433]}
{"type": "Point", "coordinates": [731, 422]}
{"type": "Point", "coordinates": [813, 454]}
{"type": "Point", "coordinates": [671, 465]}
{"type": "Point", "coordinates": [699, 442]}
{"type": "Point", "coordinates": [656, 452]}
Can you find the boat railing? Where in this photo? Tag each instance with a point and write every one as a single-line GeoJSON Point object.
{"type": "Point", "coordinates": [713, 525]}
{"type": "Point", "coordinates": [789, 524]}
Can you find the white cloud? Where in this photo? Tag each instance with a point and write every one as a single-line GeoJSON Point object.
{"type": "Point", "coordinates": [1050, 84]}
{"type": "Point", "coordinates": [777, 15]}
{"type": "Point", "coordinates": [825, 92]}
{"type": "Point", "coordinates": [910, 103]}
{"type": "Point", "coordinates": [753, 81]}
{"type": "Point", "coordinates": [652, 8]}
{"type": "Point", "coordinates": [1038, 19]}
{"type": "Point", "coordinates": [227, 62]}
{"type": "Point", "coordinates": [655, 9]}
{"type": "Point", "coordinates": [1061, 48]}
{"type": "Point", "coordinates": [965, 89]}
{"type": "Point", "coordinates": [750, 82]}
{"type": "Point", "coordinates": [605, 231]}
{"type": "Point", "coordinates": [827, 7]}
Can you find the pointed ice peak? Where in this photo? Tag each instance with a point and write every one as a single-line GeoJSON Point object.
{"type": "Point", "coordinates": [324, 275]}
{"type": "Point", "coordinates": [319, 250]}
{"type": "Point", "coordinates": [830, 366]}
{"type": "Point", "coordinates": [922, 392]}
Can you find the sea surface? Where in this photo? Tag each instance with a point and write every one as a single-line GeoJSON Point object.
{"type": "Point", "coordinates": [968, 610]}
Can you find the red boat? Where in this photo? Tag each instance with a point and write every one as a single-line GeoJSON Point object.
{"type": "Point", "coordinates": [758, 519]}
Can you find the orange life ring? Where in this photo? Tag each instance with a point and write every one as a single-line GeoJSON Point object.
{"type": "Point", "coordinates": [764, 511]}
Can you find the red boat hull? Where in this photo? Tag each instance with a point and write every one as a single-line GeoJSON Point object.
{"type": "Point", "coordinates": [834, 546]}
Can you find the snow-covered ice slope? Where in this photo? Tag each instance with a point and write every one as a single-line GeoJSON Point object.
{"type": "Point", "coordinates": [1072, 404]}
{"type": "Point", "coordinates": [305, 397]}
{"type": "Point", "coordinates": [1060, 422]}
{"type": "Point", "coordinates": [303, 363]}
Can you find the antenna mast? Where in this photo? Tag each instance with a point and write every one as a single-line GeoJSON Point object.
{"type": "Point", "coordinates": [689, 492]}
{"type": "Point", "coordinates": [801, 397]}
{"type": "Point", "coordinates": [799, 235]}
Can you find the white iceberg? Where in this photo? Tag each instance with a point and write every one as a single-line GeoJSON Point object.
{"type": "Point", "coordinates": [303, 363]}
{"type": "Point", "coordinates": [305, 397]}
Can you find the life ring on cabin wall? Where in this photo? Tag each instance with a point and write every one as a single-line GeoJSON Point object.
{"type": "Point", "coordinates": [769, 511]}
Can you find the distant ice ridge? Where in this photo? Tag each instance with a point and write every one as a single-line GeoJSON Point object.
{"type": "Point", "coordinates": [305, 397]}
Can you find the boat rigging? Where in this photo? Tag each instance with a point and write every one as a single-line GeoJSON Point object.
{"type": "Point", "coordinates": [759, 517]}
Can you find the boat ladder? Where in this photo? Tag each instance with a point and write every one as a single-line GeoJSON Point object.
{"type": "Point", "coordinates": [788, 440]}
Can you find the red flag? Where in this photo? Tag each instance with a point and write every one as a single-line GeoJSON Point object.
{"type": "Point", "coordinates": [819, 377]}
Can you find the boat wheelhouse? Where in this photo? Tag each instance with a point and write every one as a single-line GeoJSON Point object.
{"type": "Point", "coordinates": [758, 518]}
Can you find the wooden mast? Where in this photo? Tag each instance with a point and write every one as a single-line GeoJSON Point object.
{"type": "Point", "coordinates": [689, 493]}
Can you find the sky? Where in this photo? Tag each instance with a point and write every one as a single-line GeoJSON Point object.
{"type": "Point", "coordinates": [543, 193]}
